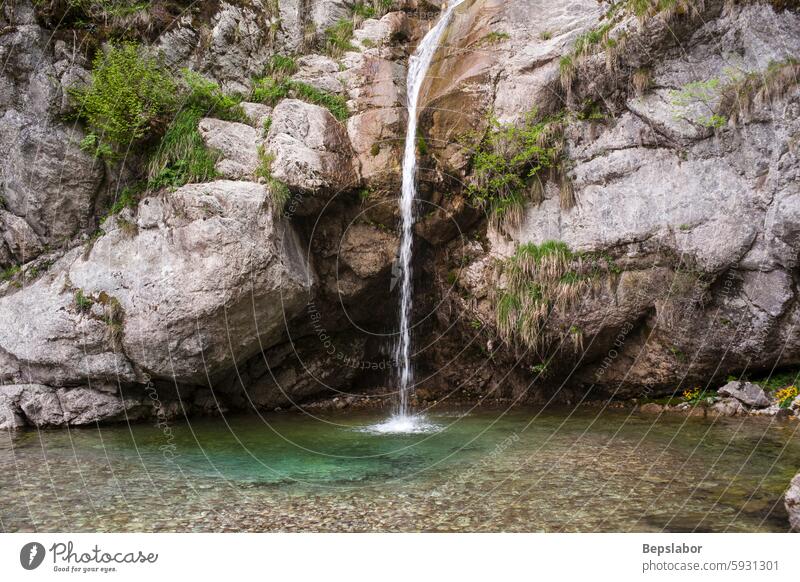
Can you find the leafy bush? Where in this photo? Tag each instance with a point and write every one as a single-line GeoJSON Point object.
{"type": "Point", "coordinates": [278, 190]}
{"type": "Point", "coordinates": [786, 396]}
{"type": "Point", "coordinates": [738, 97]}
{"type": "Point", "coordinates": [182, 157]}
{"type": "Point", "coordinates": [130, 96]}
{"type": "Point", "coordinates": [336, 104]}
{"type": "Point", "coordinates": [282, 66]}
{"type": "Point", "coordinates": [510, 163]}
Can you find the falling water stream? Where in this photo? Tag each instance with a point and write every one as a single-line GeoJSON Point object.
{"type": "Point", "coordinates": [419, 63]}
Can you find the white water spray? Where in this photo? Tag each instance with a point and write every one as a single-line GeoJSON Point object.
{"type": "Point", "coordinates": [418, 66]}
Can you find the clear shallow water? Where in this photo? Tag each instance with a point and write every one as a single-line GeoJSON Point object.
{"type": "Point", "coordinates": [491, 470]}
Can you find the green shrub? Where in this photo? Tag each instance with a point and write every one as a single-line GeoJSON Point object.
{"type": "Point", "coordinates": [279, 191]}
{"type": "Point", "coordinates": [130, 96]}
{"type": "Point", "coordinates": [363, 10]}
{"type": "Point", "coordinates": [269, 91]}
{"type": "Point", "coordinates": [338, 37]}
{"type": "Point", "coordinates": [128, 198]}
{"type": "Point", "coordinates": [83, 303]}
{"type": "Point", "coordinates": [181, 156]}
{"type": "Point", "coordinates": [281, 66]}
{"type": "Point", "coordinates": [9, 272]}
{"type": "Point", "coordinates": [511, 163]}
{"type": "Point", "coordinates": [205, 95]}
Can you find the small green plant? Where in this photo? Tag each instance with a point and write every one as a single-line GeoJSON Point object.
{"type": "Point", "coordinates": [338, 37]}
{"type": "Point", "coordinates": [699, 395]}
{"type": "Point", "coordinates": [545, 35]}
{"type": "Point", "coordinates": [786, 396]}
{"type": "Point", "coordinates": [83, 303]}
{"type": "Point", "coordinates": [495, 37]}
{"type": "Point", "coordinates": [9, 272]}
{"type": "Point", "coordinates": [336, 104]}
{"type": "Point", "coordinates": [777, 380]}
{"type": "Point", "coordinates": [281, 67]}
{"type": "Point", "coordinates": [422, 145]}
{"type": "Point", "coordinates": [364, 10]}
{"type": "Point", "coordinates": [738, 97]}
{"type": "Point", "coordinates": [641, 80]}
{"type": "Point", "coordinates": [279, 192]}
{"type": "Point", "coordinates": [128, 198]}
{"type": "Point", "coordinates": [702, 93]}
{"type": "Point", "coordinates": [182, 157]}
{"type": "Point", "coordinates": [269, 91]}
{"type": "Point", "coordinates": [131, 96]}
{"type": "Point", "coordinates": [375, 149]}
{"type": "Point", "coordinates": [567, 72]}
{"type": "Point", "coordinates": [267, 124]}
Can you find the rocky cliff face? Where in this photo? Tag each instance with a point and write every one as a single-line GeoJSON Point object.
{"type": "Point", "coordinates": [675, 195]}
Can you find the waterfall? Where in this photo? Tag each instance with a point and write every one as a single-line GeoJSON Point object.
{"type": "Point", "coordinates": [418, 66]}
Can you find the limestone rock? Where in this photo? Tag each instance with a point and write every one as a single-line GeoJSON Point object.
{"type": "Point", "coordinates": [746, 393]}
{"type": "Point", "coordinates": [310, 147]}
{"type": "Point", "coordinates": [19, 237]}
{"type": "Point", "coordinates": [46, 177]}
{"type": "Point", "coordinates": [200, 278]}
{"type": "Point", "coordinates": [236, 143]}
{"type": "Point", "coordinates": [727, 407]}
{"type": "Point", "coordinates": [368, 250]}
{"type": "Point", "coordinates": [43, 406]}
{"type": "Point", "coordinates": [320, 72]}
{"type": "Point", "coordinates": [257, 114]}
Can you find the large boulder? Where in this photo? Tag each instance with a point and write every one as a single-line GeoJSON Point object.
{"type": "Point", "coordinates": [746, 393]}
{"type": "Point", "coordinates": [198, 279]}
{"type": "Point", "coordinates": [310, 148]}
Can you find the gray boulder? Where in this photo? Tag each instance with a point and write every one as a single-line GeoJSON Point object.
{"type": "Point", "coordinates": [746, 393]}
{"type": "Point", "coordinates": [727, 407]}
{"type": "Point", "coordinates": [236, 143]}
{"type": "Point", "coordinates": [46, 178]}
{"type": "Point", "coordinates": [41, 406]}
{"type": "Point", "coordinates": [198, 279]}
{"type": "Point", "coordinates": [311, 149]}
